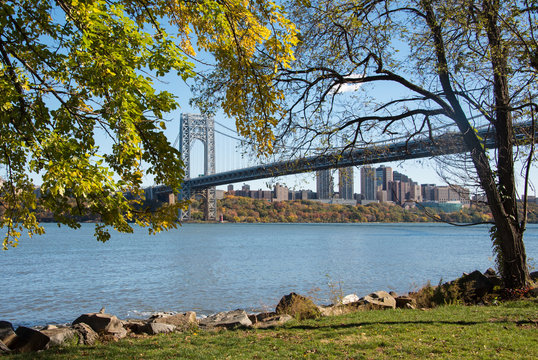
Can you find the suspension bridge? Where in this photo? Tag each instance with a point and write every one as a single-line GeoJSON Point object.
{"type": "Point", "coordinates": [225, 167]}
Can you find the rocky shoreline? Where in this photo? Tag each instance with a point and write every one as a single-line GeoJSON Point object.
{"type": "Point", "coordinates": [89, 328]}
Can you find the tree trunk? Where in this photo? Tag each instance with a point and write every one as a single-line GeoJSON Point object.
{"type": "Point", "coordinates": [508, 237]}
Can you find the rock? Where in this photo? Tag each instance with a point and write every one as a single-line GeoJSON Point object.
{"type": "Point", "coordinates": [255, 318]}
{"type": "Point", "coordinates": [7, 333]}
{"type": "Point", "coordinates": [50, 327]}
{"type": "Point", "coordinates": [29, 340]}
{"type": "Point", "coordinates": [273, 321]}
{"type": "Point", "coordinates": [406, 302]}
{"type": "Point", "coordinates": [348, 299]}
{"type": "Point", "coordinates": [534, 275]}
{"type": "Point", "coordinates": [134, 325]}
{"type": "Point", "coordinates": [490, 272]}
{"type": "Point", "coordinates": [297, 306]}
{"type": "Point", "coordinates": [183, 321]}
{"type": "Point", "coordinates": [230, 319]}
{"type": "Point", "coordinates": [103, 324]}
{"type": "Point", "coordinates": [534, 292]}
{"type": "Point", "coordinates": [335, 310]}
{"type": "Point", "coordinates": [86, 335]}
{"type": "Point", "coordinates": [493, 277]}
{"type": "Point", "coordinates": [59, 336]}
{"type": "Point", "coordinates": [474, 286]}
{"type": "Point", "coordinates": [3, 348]}
{"type": "Point", "coordinates": [380, 299]}
{"type": "Point", "coordinates": [153, 328]}
{"type": "Point", "coordinates": [393, 294]}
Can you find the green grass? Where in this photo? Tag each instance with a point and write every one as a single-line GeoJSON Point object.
{"type": "Point", "coordinates": [508, 331]}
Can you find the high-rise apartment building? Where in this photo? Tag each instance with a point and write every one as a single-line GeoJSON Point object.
{"type": "Point", "coordinates": [368, 183]}
{"type": "Point", "coordinates": [383, 175]}
{"type": "Point", "coordinates": [324, 184]}
{"type": "Point", "coordinates": [345, 183]}
{"type": "Point", "coordinates": [396, 176]}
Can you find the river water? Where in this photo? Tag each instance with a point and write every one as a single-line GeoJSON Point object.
{"type": "Point", "coordinates": [216, 267]}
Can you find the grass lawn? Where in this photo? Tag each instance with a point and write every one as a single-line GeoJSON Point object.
{"type": "Point", "coordinates": [507, 331]}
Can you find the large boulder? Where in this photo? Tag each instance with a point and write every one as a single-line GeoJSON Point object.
{"type": "Point", "coordinates": [230, 319]}
{"type": "Point", "coordinates": [7, 333]}
{"type": "Point", "coordinates": [380, 300]}
{"type": "Point", "coordinates": [103, 324]}
{"type": "Point", "coordinates": [86, 335]}
{"type": "Point", "coordinates": [29, 340]}
{"type": "Point", "coordinates": [182, 321]}
{"type": "Point", "coordinates": [154, 328]}
{"type": "Point", "coordinates": [534, 275]}
{"type": "Point", "coordinates": [297, 306]}
{"type": "Point", "coordinates": [59, 335]}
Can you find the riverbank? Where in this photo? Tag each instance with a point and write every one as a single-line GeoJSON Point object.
{"type": "Point", "coordinates": [506, 331]}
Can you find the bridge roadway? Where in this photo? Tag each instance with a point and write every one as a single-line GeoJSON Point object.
{"type": "Point", "coordinates": [449, 143]}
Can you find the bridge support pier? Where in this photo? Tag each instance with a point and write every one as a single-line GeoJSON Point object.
{"type": "Point", "coordinates": [199, 127]}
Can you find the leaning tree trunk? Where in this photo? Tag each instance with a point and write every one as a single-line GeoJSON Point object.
{"type": "Point", "coordinates": [508, 235]}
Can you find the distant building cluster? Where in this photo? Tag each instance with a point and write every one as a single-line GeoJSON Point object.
{"type": "Point", "coordinates": [279, 193]}
{"type": "Point", "coordinates": [380, 184]}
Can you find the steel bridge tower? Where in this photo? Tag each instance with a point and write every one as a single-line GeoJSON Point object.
{"type": "Point", "coordinates": [198, 127]}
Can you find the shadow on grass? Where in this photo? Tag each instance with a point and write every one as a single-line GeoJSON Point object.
{"type": "Point", "coordinates": [414, 322]}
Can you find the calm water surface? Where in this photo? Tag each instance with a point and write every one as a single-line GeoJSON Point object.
{"type": "Point", "coordinates": [215, 267]}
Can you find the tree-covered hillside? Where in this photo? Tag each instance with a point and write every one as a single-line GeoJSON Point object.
{"type": "Point", "coordinates": [242, 209]}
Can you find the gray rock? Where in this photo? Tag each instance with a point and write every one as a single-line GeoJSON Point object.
{"type": "Point", "coordinates": [86, 335]}
{"type": "Point", "coordinates": [153, 328]}
{"type": "Point", "coordinates": [7, 333]}
{"type": "Point", "coordinates": [103, 324]}
{"type": "Point", "coordinates": [273, 321]}
{"type": "Point", "coordinates": [348, 299]}
{"type": "Point", "coordinates": [182, 321]}
{"type": "Point", "coordinates": [230, 319]}
{"type": "Point", "coordinates": [380, 299]}
{"type": "Point", "coordinates": [59, 336]}
{"type": "Point", "coordinates": [335, 310]}
{"type": "Point", "coordinates": [255, 318]}
{"type": "Point", "coordinates": [29, 340]}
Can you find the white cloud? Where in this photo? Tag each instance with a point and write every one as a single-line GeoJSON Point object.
{"type": "Point", "coordinates": [347, 87]}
